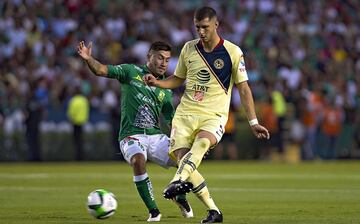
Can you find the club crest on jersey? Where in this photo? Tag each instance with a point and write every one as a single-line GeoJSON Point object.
{"type": "Point", "coordinates": [198, 96]}
{"type": "Point", "coordinates": [138, 78]}
{"type": "Point", "coordinates": [203, 76]}
{"type": "Point", "coordinates": [161, 96]}
{"type": "Point", "coordinates": [218, 63]}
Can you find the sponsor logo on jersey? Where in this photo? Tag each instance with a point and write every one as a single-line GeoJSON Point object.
{"type": "Point", "coordinates": [203, 76]}
{"type": "Point", "coordinates": [136, 83]}
{"type": "Point", "coordinates": [200, 88]}
{"type": "Point", "coordinates": [218, 63]}
{"type": "Point", "coordinates": [145, 99]}
{"type": "Point", "coordinates": [150, 88]}
{"type": "Point", "coordinates": [242, 66]}
{"type": "Point", "coordinates": [144, 117]}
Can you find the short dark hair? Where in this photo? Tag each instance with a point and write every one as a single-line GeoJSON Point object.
{"type": "Point", "coordinates": [160, 46]}
{"type": "Point", "coordinates": [204, 12]}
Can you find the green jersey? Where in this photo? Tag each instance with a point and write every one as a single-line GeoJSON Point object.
{"type": "Point", "coordinates": [141, 105]}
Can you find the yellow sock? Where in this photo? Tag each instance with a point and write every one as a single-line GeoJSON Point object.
{"type": "Point", "coordinates": [192, 159]}
{"type": "Point", "coordinates": [196, 178]}
{"type": "Point", "coordinates": [186, 167]}
{"type": "Point", "coordinates": [202, 192]}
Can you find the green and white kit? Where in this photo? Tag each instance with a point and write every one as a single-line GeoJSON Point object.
{"type": "Point", "coordinates": [141, 106]}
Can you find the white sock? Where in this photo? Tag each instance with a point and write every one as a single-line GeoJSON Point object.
{"type": "Point", "coordinates": [140, 177]}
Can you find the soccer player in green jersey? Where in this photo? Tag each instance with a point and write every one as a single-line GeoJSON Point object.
{"type": "Point", "coordinates": [140, 135]}
{"type": "Point", "coordinates": [211, 67]}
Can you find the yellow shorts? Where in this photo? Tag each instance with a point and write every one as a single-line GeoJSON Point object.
{"type": "Point", "coordinates": [185, 127]}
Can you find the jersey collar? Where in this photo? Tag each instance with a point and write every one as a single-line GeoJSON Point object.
{"type": "Point", "coordinates": [221, 42]}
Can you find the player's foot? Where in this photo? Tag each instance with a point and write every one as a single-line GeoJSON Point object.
{"type": "Point", "coordinates": [177, 187]}
{"type": "Point", "coordinates": [213, 217]}
{"type": "Point", "coordinates": [185, 207]}
{"type": "Point", "coordinates": [154, 215]}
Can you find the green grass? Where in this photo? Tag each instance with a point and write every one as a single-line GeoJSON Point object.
{"type": "Point", "coordinates": [246, 192]}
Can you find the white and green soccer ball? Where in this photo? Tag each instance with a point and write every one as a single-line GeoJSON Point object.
{"type": "Point", "coordinates": [101, 204]}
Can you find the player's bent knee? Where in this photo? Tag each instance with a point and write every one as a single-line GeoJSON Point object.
{"type": "Point", "coordinates": [138, 161]}
{"type": "Point", "coordinates": [201, 145]}
{"type": "Point", "coordinates": [208, 135]}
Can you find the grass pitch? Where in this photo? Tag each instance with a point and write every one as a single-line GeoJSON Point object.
{"type": "Point", "coordinates": [246, 192]}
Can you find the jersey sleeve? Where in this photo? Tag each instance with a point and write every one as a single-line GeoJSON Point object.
{"type": "Point", "coordinates": [119, 72]}
{"type": "Point", "coordinates": [180, 70]}
{"type": "Point", "coordinates": [168, 109]}
{"type": "Point", "coordinates": [239, 71]}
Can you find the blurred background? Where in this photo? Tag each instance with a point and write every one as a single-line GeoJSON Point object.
{"type": "Point", "coordinates": [302, 60]}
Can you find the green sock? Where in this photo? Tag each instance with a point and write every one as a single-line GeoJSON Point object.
{"type": "Point", "coordinates": [180, 197]}
{"type": "Point", "coordinates": [144, 187]}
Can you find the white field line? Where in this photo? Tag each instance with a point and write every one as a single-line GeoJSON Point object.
{"type": "Point", "coordinates": [254, 176]}
{"type": "Point", "coordinates": [239, 190]}
{"type": "Point", "coordinates": [287, 190]}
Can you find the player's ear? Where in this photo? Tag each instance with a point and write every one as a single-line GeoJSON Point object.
{"type": "Point", "coordinates": [216, 24]}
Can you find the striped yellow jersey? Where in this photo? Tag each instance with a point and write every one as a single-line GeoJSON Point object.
{"type": "Point", "coordinates": [210, 77]}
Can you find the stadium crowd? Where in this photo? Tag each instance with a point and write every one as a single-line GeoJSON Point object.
{"type": "Point", "coordinates": [302, 60]}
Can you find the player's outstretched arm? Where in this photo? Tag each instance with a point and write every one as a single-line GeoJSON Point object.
{"type": "Point", "coordinates": [171, 82]}
{"type": "Point", "coordinates": [96, 67]}
{"type": "Point", "coordinates": [248, 104]}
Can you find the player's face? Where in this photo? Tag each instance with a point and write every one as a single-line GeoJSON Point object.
{"type": "Point", "coordinates": [158, 62]}
{"type": "Point", "coordinates": [206, 28]}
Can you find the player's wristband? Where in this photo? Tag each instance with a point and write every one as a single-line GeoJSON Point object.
{"type": "Point", "coordinates": [253, 122]}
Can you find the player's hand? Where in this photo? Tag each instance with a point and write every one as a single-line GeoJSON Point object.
{"type": "Point", "coordinates": [260, 131]}
{"type": "Point", "coordinates": [83, 51]}
{"type": "Point", "coordinates": [150, 80]}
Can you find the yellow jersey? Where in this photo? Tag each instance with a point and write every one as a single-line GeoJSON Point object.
{"type": "Point", "coordinates": [210, 77]}
{"type": "Point", "coordinates": [78, 110]}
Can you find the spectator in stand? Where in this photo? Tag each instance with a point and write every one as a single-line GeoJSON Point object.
{"type": "Point", "coordinates": [78, 114]}
{"type": "Point", "coordinates": [331, 125]}
{"type": "Point", "coordinates": [271, 122]}
{"type": "Point", "coordinates": [227, 147]}
{"type": "Point", "coordinates": [293, 43]}
{"type": "Point", "coordinates": [34, 112]}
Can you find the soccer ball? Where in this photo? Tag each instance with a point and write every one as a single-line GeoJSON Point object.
{"type": "Point", "coordinates": [101, 204]}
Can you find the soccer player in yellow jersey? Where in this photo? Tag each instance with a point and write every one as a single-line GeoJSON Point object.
{"type": "Point", "coordinates": [211, 67]}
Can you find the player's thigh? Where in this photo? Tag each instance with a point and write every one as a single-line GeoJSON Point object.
{"type": "Point", "coordinates": [158, 150]}
{"type": "Point", "coordinates": [182, 133]}
{"type": "Point", "coordinates": [130, 146]}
